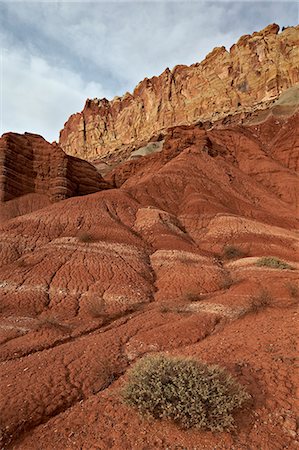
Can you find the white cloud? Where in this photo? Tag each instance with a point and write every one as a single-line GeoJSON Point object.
{"type": "Point", "coordinates": [58, 54]}
{"type": "Point", "coordinates": [39, 98]}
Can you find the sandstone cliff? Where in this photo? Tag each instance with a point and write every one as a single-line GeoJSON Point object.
{"type": "Point", "coordinates": [255, 70]}
{"type": "Point", "coordinates": [29, 164]}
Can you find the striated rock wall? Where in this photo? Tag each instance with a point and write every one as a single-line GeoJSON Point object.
{"type": "Point", "coordinates": [255, 70]}
{"type": "Point", "coordinates": [29, 164]}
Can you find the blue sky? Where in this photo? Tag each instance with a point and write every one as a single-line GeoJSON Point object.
{"type": "Point", "coordinates": [56, 54]}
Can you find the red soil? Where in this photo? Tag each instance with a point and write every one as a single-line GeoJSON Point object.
{"type": "Point", "coordinates": [92, 283]}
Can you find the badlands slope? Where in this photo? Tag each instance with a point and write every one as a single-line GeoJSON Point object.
{"type": "Point", "coordinates": [91, 283]}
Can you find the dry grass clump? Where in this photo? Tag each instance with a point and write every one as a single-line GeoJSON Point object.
{"type": "Point", "coordinates": [259, 301]}
{"type": "Point", "coordinates": [232, 252]}
{"type": "Point", "coordinates": [85, 237]}
{"type": "Point", "coordinates": [273, 263]}
{"type": "Point", "coordinates": [293, 290]}
{"type": "Point", "coordinates": [188, 392]}
{"type": "Point", "coordinates": [227, 281]}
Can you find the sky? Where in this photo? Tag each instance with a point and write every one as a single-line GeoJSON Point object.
{"type": "Point", "coordinates": [54, 55]}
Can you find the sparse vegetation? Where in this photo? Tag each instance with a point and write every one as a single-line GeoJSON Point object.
{"type": "Point", "coordinates": [86, 237]}
{"type": "Point", "coordinates": [191, 393]}
{"type": "Point", "coordinates": [260, 301]}
{"type": "Point", "coordinates": [232, 252]}
{"type": "Point", "coordinates": [227, 281]}
{"type": "Point", "coordinates": [273, 263]}
{"type": "Point", "coordinates": [293, 290]}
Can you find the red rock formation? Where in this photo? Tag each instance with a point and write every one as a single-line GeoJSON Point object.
{"type": "Point", "coordinates": [29, 164]}
{"type": "Point", "coordinates": [90, 284]}
{"type": "Point", "coordinates": [256, 69]}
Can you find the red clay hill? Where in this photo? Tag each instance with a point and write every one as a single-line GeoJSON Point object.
{"type": "Point", "coordinates": [192, 252]}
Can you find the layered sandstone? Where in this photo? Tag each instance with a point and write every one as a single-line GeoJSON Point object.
{"type": "Point", "coordinates": [90, 284]}
{"type": "Point", "coordinates": [29, 164]}
{"type": "Point", "coordinates": [254, 71]}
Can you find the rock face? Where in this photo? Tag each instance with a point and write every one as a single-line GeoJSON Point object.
{"type": "Point", "coordinates": [168, 261]}
{"type": "Point", "coordinates": [255, 70]}
{"type": "Point", "coordinates": [29, 164]}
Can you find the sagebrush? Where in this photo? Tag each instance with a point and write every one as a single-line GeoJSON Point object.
{"type": "Point", "coordinates": [260, 301]}
{"type": "Point", "coordinates": [273, 263]}
{"type": "Point", "coordinates": [232, 252]}
{"type": "Point", "coordinates": [188, 392]}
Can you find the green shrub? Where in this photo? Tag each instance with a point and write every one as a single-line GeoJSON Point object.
{"type": "Point", "coordinates": [191, 393]}
{"type": "Point", "coordinates": [273, 263]}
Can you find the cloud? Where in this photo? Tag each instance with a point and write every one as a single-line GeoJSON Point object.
{"type": "Point", "coordinates": [37, 97]}
{"type": "Point", "coordinates": [60, 53]}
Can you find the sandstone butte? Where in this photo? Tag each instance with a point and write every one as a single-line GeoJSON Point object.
{"type": "Point", "coordinates": [255, 70]}
{"type": "Point", "coordinates": [166, 261]}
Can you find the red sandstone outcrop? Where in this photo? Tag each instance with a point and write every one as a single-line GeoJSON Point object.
{"type": "Point", "coordinates": [90, 284]}
{"type": "Point", "coordinates": [29, 164]}
{"type": "Point", "coordinates": [255, 70]}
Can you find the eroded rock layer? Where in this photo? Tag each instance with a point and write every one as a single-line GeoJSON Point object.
{"type": "Point", "coordinates": [255, 70]}
{"type": "Point", "coordinates": [30, 165]}
{"type": "Point", "coordinates": [166, 262]}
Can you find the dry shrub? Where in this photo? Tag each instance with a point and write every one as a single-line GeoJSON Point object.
{"type": "Point", "coordinates": [232, 252]}
{"type": "Point", "coordinates": [86, 237]}
{"type": "Point", "coordinates": [260, 301]}
{"type": "Point", "coordinates": [293, 290]}
{"type": "Point", "coordinates": [273, 263]}
{"type": "Point", "coordinates": [226, 282]}
{"type": "Point", "coordinates": [188, 392]}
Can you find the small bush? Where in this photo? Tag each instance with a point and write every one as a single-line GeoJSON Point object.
{"type": "Point", "coordinates": [292, 289]}
{"type": "Point", "coordinates": [226, 282]}
{"type": "Point", "coordinates": [259, 301]}
{"type": "Point", "coordinates": [85, 237]}
{"type": "Point", "coordinates": [190, 393]}
{"type": "Point", "coordinates": [232, 252]}
{"type": "Point", "coordinates": [273, 263]}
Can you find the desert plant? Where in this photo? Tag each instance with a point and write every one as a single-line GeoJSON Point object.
{"type": "Point", "coordinates": [232, 252]}
{"type": "Point", "coordinates": [273, 263]}
{"type": "Point", "coordinates": [226, 281]}
{"type": "Point", "coordinates": [260, 301]}
{"type": "Point", "coordinates": [292, 289]}
{"type": "Point", "coordinates": [191, 393]}
{"type": "Point", "coordinates": [85, 237]}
